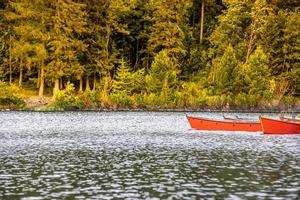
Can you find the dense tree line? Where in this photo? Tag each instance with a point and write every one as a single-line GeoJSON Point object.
{"type": "Point", "coordinates": [174, 53]}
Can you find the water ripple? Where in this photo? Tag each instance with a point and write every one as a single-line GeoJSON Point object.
{"type": "Point", "coordinates": [82, 155]}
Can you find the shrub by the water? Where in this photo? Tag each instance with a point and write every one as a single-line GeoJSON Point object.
{"type": "Point", "coordinates": [67, 100]}
{"type": "Point", "coordinates": [90, 99]}
{"type": "Point", "coordinates": [9, 98]}
{"type": "Point", "coordinates": [121, 100]}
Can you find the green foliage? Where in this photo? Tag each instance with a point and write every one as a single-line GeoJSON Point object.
{"type": "Point", "coordinates": [191, 95]}
{"type": "Point", "coordinates": [216, 101]}
{"type": "Point", "coordinates": [66, 100]}
{"type": "Point", "coordinates": [290, 102]}
{"type": "Point", "coordinates": [90, 99]}
{"type": "Point", "coordinates": [136, 29]}
{"type": "Point", "coordinates": [123, 82]}
{"type": "Point", "coordinates": [231, 28]}
{"type": "Point", "coordinates": [291, 51]}
{"type": "Point", "coordinates": [163, 73]}
{"type": "Point", "coordinates": [129, 82]}
{"type": "Point", "coordinates": [281, 42]}
{"type": "Point", "coordinates": [246, 101]}
{"type": "Point", "coordinates": [64, 43]}
{"type": "Point", "coordinates": [2, 54]}
{"type": "Point", "coordinates": [167, 33]}
{"type": "Point", "coordinates": [121, 100]}
{"type": "Point", "coordinates": [223, 70]}
{"type": "Point", "coordinates": [248, 56]}
{"type": "Point", "coordinates": [9, 98]}
{"type": "Point", "coordinates": [126, 84]}
{"type": "Point", "coordinates": [257, 74]}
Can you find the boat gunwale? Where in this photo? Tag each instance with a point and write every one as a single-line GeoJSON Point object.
{"type": "Point", "coordinates": [228, 121]}
{"type": "Point", "coordinates": [289, 119]}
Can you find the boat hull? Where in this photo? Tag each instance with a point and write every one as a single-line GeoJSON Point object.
{"type": "Point", "coordinates": [226, 125]}
{"type": "Point", "coordinates": [273, 126]}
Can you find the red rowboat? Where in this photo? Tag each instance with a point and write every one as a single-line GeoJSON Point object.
{"type": "Point", "coordinates": [273, 126]}
{"type": "Point", "coordinates": [223, 125]}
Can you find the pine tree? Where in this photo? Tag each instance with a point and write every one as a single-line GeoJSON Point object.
{"type": "Point", "coordinates": [164, 71]}
{"type": "Point", "coordinates": [223, 70]}
{"type": "Point", "coordinates": [27, 37]}
{"type": "Point", "coordinates": [133, 41]}
{"type": "Point", "coordinates": [280, 40]}
{"type": "Point", "coordinates": [259, 15]}
{"type": "Point", "coordinates": [231, 29]}
{"type": "Point", "coordinates": [167, 33]}
{"type": "Point", "coordinates": [123, 81]}
{"type": "Point", "coordinates": [68, 22]}
{"type": "Point", "coordinates": [292, 52]}
{"type": "Point", "coordinates": [96, 59]}
{"type": "Point", "coordinates": [2, 44]}
{"type": "Point", "coordinates": [257, 74]}
{"type": "Point", "coordinates": [19, 16]}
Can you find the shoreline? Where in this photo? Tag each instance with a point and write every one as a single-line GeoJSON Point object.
{"type": "Point", "coordinates": [151, 110]}
{"type": "Point", "coordinates": [41, 105]}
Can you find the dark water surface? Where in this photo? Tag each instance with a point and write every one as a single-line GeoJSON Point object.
{"type": "Point", "coordinates": [128, 155]}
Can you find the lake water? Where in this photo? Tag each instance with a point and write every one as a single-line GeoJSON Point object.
{"type": "Point", "coordinates": [141, 155]}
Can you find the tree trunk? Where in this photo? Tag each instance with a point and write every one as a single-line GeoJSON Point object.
{"type": "Point", "coordinates": [87, 84]}
{"type": "Point", "coordinates": [38, 79]}
{"type": "Point", "coordinates": [56, 86]}
{"type": "Point", "coordinates": [251, 45]}
{"type": "Point", "coordinates": [148, 62]}
{"type": "Point", "coordinates": [61, 84]}
{"type": "Point", "coordinates": [137, 54]}
{"type": "Point", "coordinates": [21, 77]}
{"type": "Point", "coordinates": [95, 82]}
{"type": "Point", "coordinates": [108, 29]}
{"type": "Point", "coordinates": [42, 81]}
{"type": "Point", "coordinates": [10, 67]}
{"type": "Point", "coordinates": [80, 84]}
{"type": "Point", "coordinates": [202, 22]}
{"type": "Point", "coordinates": [21, 73]}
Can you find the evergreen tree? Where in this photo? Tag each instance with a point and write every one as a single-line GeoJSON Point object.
{"type": "Point", "coordinates": [67, 23]}
{"type": "Point", "coordinates": [226, 51]}
{"type": "Point", "coordinates": [20, 16]}
{"type": "Point", "coordinates": [97, 59]}
{"type": "Point", "coordinates": [27, 37]}
{"type": "Point", "coordinates": [167, 33]}
{"type": "Point", "coordinates": [127, 82]}
{"type": "Point", "coordinates": [259, 15]}
{"type": "Point", "coordinates": [198, 57]}
{"type": "Point", "coordinates": [133, 42]}
{"type": "Point", "coordinates": [280, 40]}
{"type": "Point", "coordinates": [291, 51]}
{"type": "Point", "coordinates": [2, 44]}
{"type": "Point", "coordinates": [116, 28]}
{"type": "Point", "coordinates": [223, 70]}
{"type": "Point", "coordinates": [257, 74]}
{"type": "Point", "coordinates": [164, 72]}
{"type": "Point", "coordinates": [231, 29]}
{"type": "Point", "coordinates": [122, 83]}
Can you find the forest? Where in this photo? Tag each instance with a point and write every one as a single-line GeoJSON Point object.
{"type": "Point", "coordinates": [188, 54]}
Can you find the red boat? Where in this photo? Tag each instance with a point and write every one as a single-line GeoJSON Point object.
{"type": "Point", "coordinates": [223, 125]}
{"type": "Point", "coordinates": [273, 126]}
